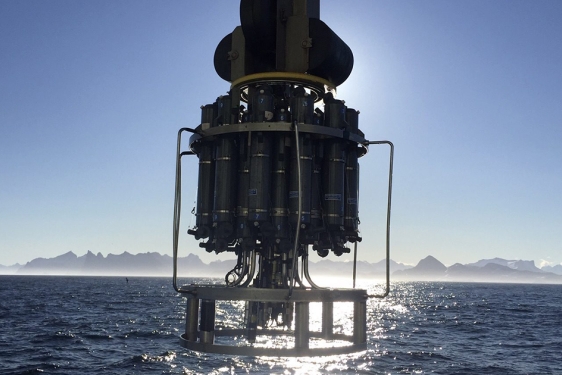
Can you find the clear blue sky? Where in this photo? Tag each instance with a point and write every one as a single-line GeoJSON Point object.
{"type": "Point", "coordinates": [92, 94]}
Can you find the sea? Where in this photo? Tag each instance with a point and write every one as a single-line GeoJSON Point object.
{"type": "Point", "coordinates": [106, 325]}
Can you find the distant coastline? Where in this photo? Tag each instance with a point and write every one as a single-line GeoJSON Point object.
{"type": "Point", "coordinates": [156, 264]}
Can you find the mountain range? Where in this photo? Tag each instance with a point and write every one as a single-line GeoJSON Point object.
{"type": "Point", "coordinates": [486, 270]}
{"type": "Point", "coordinates": [156, 264]}
{"type": "Point", "coordinates": [125, 264]}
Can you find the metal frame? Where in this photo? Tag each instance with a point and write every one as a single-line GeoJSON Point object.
{"type": "Point", "coordinates": [322, 131]}
{"type": "Point", "coordinates": [301, 333]}
{"type": "Point", "coordinates": [196, 338]}
{"type": "Point", "coordinates": [319, 130]}
{"type": "Point", "coordinates": [317, 84]}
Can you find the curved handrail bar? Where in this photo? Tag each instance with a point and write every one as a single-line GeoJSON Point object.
{"type": "Point", "coordinates": [177, 209]}
{"type": "Point", "coordinates": [388, 209]}
{"type": "Point", "coordinates": [177, 205]}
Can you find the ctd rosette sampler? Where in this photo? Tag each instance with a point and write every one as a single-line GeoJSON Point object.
{"type": "Point", "coordinates": [278, 179]}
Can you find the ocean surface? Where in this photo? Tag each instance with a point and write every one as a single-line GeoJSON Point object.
{"type": "Point", "coordinates": [104, 325]}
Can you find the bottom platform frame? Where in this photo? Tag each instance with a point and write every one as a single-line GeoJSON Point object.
{"type": "Point", "coordinates": [326, 342]}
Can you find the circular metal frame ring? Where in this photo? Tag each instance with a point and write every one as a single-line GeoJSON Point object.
{"type": "Point", "coordinates": [317, 84]}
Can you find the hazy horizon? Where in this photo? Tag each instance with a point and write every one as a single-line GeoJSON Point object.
{"type": "Point", "coordinates": [313, 257]}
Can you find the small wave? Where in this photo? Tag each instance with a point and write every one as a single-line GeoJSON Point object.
{"type": "Point", "coordinates": [167, 356]}
{"type": "Point", "coordinates": [24, 371]}
{"type": "Point", "coordinates": [523, 345]}
{"type": "Point", "coordinates": [65, 335]}
{"type": "Point", "coordinates": [97, 336]}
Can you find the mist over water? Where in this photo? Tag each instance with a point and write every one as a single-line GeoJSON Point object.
{"type": "Point", "coordinates": [104, 325]}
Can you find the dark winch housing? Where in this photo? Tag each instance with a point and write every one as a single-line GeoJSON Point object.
{"type": "Point", "coordinates": [278, 177]}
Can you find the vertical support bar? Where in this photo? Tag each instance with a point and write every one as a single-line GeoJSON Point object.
{"type": "Point", "coordinates": [298, 230]}
{"type": "Point", "coordinates": [207, 322]}
{"type": "Point", "coordinates": [251, 321]}
{"type": "Point", "coordinates": [302, 333]}
{"type": "Point", "coordinates": [359, 322]}
{"type": "Point", "coordinates": [327, 319]}
{"type": "Point", "coordinates": [191, 319]}
{"type": "Point", "coordinates": [388, 209]}
{"type": "Point", "coordinates": [354, 263]}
